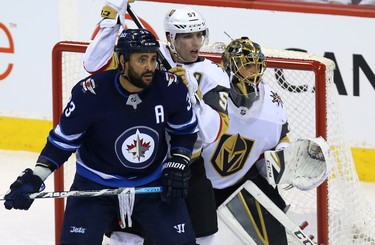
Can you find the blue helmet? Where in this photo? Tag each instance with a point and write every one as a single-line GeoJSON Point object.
{"type": "Point", "coordinates": [136, 41]}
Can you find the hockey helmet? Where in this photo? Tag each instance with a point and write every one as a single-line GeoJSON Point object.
{"type": "Point", "coordinates": [136, 41]}
{"type": "Point", "coordinates": [239, 55]}
{"type": "Point", "coordinates": [184, 20]}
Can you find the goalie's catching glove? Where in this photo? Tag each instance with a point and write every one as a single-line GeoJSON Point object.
{"type": "Point", "coordinates": [304, 164]}
{"type": "Point", "coordinates": [18, 195]}
{"type": "Point", "coordinates": [175, 178]}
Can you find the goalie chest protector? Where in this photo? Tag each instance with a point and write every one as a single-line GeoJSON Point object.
{"type": "Point", "coordinates": [251, 132]}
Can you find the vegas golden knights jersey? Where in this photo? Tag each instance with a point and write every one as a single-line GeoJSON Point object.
{"type": "Point", "coordinates": [251, 132]}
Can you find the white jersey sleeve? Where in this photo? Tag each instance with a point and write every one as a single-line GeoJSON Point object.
{"type": "Point", "coordinates": [213, 83]}
{"type": "Point", "coordinates": [100, 51]}
{"type": "Point", "coordinates": [214, 86]}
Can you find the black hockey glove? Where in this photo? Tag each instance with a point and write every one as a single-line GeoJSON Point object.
{"type": "Point", "coordinates": [18, 194]}
{"type": "Point", "coordinates": [175, 177]}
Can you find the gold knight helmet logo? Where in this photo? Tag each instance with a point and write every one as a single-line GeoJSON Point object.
{"type": "Point", "coordinates": [231, 154]}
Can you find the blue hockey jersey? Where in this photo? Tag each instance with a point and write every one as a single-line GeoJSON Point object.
{"type": "Point", "coordinates": [120, 138]}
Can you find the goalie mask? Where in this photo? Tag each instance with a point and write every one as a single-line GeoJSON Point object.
{"type": "Point", "coordinates": [245, 62]}
{"type": "Point", "coordinates": [184, 20]}
{"type": "Point", "coordinates": [136, 41]}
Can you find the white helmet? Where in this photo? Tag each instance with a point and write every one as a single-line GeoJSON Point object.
{"type": "Point", "coordinates": [184, 20]}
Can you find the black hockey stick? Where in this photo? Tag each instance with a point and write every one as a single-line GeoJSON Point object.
{"type": "Point", "coordinates": [139, 24]}
{"type": "Point", "coordinates": [93, 193]}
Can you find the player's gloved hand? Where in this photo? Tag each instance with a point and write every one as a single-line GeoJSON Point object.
{"type": "Point", "coordinates": [175, 177]}
{"type": "Point", "coordinates": [18, 195]}
{"type": "Point", "coordinates": [181, 72]}
{"type": "Point", "coordinates": [189, 81]}
{"type": "Point", "coordinates": [113, 12]}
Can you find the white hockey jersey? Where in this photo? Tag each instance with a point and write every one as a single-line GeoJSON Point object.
{"type": "Point", "coordinates": [251, 132]}
{"type": "Point", "coordinates": [208, 76]}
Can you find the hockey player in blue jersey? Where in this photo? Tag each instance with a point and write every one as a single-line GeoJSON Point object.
{"type": "Point", "coordinates": [129, 127]}
{"type": "Point", "coordinates": [186, 31]}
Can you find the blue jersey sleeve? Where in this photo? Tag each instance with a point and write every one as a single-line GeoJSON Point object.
{"type": "Point", "coordinates": [182, 122]}
{"type": "Point", "coordinates": [77, 116]}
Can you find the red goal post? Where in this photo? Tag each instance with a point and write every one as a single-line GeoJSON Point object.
{"type": "Point", "coordinates": [305, 84]}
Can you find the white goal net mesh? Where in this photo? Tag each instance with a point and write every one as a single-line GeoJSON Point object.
{"type": "Point", "coordinates": [305, 84]}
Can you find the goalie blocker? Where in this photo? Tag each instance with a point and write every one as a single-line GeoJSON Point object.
{"type": "Point", "coordinates": [304, 164]}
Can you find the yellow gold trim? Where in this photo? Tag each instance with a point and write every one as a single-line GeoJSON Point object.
{"type": "Point", "coordinates": [276, 159]}
{"type": "Point", "coordinates": [224, 123]}
{"type": "Point", "coordinates": [265, 238]}
{"type": "Point", "coordinates": [114, 63]}
{"type": "Point", "coordinates": [285, 139]}
{"type": "Point", "coordinates": [108, 12]}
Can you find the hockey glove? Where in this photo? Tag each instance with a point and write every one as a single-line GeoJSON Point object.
{"type": "Point", "coordinates": [175, 178]}
{"type": "Point", "coordinates": [18, 194]}
{"type": "Point", "coordinates": [190, 82]}
{"type": "Point", "coordinates": [304, 164]}
{"type": "Point", "coordinates": [113, 12]}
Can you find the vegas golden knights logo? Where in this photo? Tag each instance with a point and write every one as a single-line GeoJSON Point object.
{"type": "Point", "coordinates": [231, 154]}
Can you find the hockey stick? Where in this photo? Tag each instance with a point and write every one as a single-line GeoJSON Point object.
{"type": "Point", "coordinates": [228, 218]}
{"type": "Point", "coordinates": [92, 193]}
{"type": "Point", "coordinates": [139, 24]}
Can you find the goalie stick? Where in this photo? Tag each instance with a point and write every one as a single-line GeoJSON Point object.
{"type": "Point", "coordinates": [92, 193]}
{"type": "Point", "coordinates": [233, 223]}
{"type": "Point", "coordinates": [139, 24]}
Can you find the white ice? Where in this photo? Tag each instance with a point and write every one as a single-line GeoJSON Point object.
{"type": "Point", "coordinates": [36, 226]}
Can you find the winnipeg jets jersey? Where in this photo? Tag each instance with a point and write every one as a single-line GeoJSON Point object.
{"type": "Point", "coordinates": [119, 138]}
{"type": "Point", "coordinates": [251, 132]}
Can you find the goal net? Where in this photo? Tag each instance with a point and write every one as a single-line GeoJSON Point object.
{"type": "Point", "coordinates": [337, 211]}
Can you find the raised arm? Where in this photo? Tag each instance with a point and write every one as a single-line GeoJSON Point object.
{"type": "Point", "coordinates": [99, 55]}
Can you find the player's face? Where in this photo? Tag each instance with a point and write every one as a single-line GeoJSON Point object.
{"type": "Point", "coordinates": [141, 68]}
{"type": "Point", "coordinates": [188, 45]}
{"type": "Point", "coordinates": [248, 71]}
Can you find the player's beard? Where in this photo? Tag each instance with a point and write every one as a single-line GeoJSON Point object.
{"type": "Point", "coordinates": [138, 80]}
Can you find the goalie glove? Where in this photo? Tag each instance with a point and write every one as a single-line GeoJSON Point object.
{"type": "Point", "coordinates": [18, 195]}
{"type": "Point", "coordinates": [175, 178]}
{"type": "Point", "coordinates": [304, 164]}
{"type": "Point", "coordinates": [113, 12]}
{"type": "Point", "coordinates": [190, 82]}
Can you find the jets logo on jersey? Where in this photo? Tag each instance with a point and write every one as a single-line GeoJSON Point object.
{"type": "Point", "coordinates": [89, 85]}
{"type": "Point", "coordinates": [276, 99]}
{"type": "Point", "coordinates": [171, 78]}
{"type": "Point", "coordinates": [136, 147]}
{"type": "Point", "coordinates": [231, 154]}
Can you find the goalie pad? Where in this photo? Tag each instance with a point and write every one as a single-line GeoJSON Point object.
{"type": "Point", "coordinates": [255, 219]}
{"type": "Point", "coordinates": [303, 164]}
